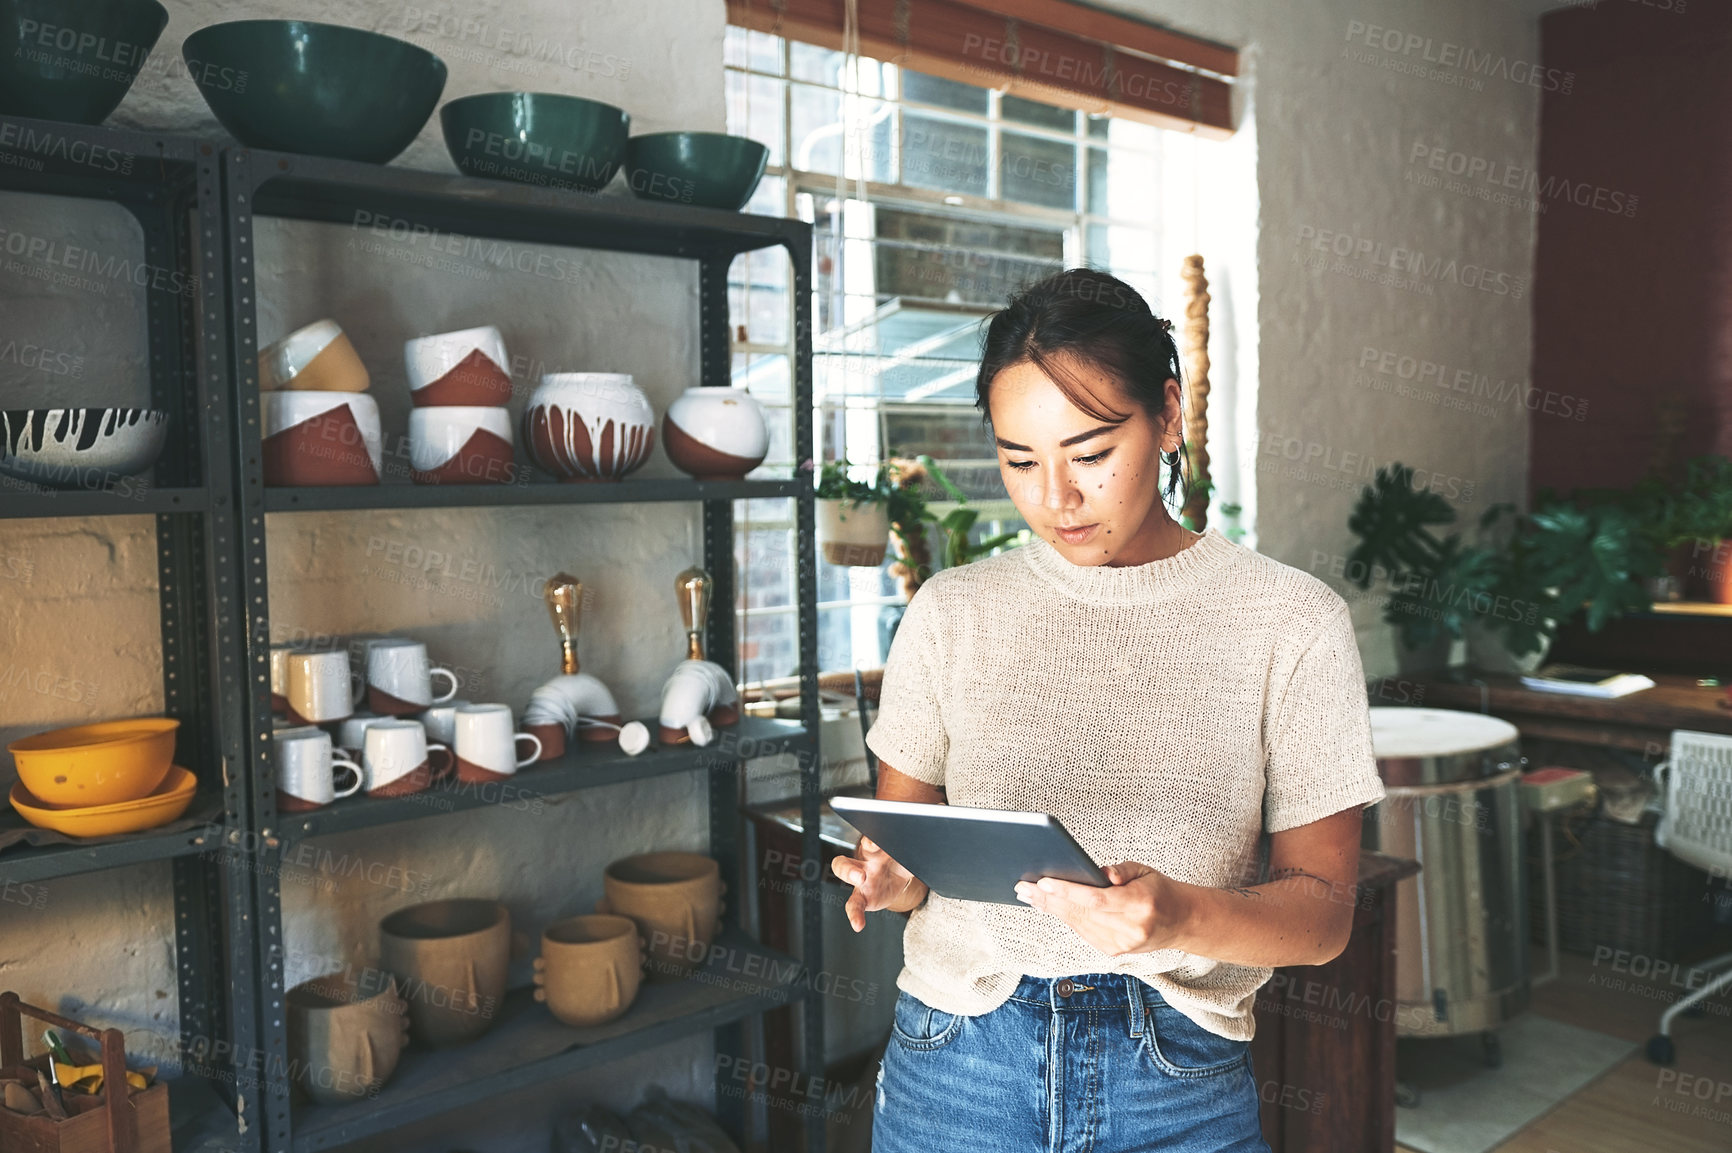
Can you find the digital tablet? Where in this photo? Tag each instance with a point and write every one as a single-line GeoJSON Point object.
{"type": "Point", "coordinates": [970, 854]}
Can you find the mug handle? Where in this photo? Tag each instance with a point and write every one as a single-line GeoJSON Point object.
{"type": "Point", "coordinates": [532, 757]}
{"type": "Point", "coordinates": [440, 774]}
{"type": "Point", "coordinates": [341, 761]}
{"type": "Point", "coordinates": [449, 675]}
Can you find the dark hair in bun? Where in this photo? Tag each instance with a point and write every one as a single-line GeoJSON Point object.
{"type": "Point", "coordinates": [1083, 314]}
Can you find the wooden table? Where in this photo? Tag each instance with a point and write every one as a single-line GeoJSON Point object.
{"type": "Point", "coordinates": [1326, 1087]}
{"type": "Point", "coordinates": [1641, 722]}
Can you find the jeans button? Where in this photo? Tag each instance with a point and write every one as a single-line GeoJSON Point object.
{"type": "Point", "coordinates": [1065, 987]}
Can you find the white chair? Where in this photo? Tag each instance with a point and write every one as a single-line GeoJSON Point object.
{"type": "Point", "coordinates": [1695, 792]}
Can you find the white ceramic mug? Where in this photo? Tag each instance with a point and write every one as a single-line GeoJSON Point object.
{"type": "Point", "coordinates": [284, 410]}
{"type": "Point", "coordinates": [280, 678]}
{"type": "Point", "coordinates": [458, 368]}
{"type": "Point", "coordinates": [486, 743]}
{"type": "Point", "coordinates": [400, 678]}
{"type": "Point", "coordinates": [440, 721]}
{"type": "Point", "coordinates": [396, 758]}
{"type": "Point", "coordinates": [307, 767]}
{"type": "Point", "coordinates": [352, 733]}
{"type": "Point", "coordinates": [318, 687]}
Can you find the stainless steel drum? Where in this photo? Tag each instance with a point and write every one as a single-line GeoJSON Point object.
{"type": "Point", "coordinates": [1454, 805]}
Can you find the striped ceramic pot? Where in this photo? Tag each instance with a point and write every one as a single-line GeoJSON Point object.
{"type": "Point", "coordinates": [589, 425]}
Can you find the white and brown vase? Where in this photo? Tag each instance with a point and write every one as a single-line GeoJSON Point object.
{"type": "Point", "coordinates": [469, 367]}
{"type": "Point", "coordinates": [587, 426]}
{"type": "Point", "coordinates": [715, 433]}
{"type": "Point", "coordinates": [321, 438]}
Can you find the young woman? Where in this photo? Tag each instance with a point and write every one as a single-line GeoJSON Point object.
{"type": "Point", "coordinates": [1172, 698]}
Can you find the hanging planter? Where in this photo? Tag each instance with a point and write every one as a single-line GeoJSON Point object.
{"type": "Point", "coordinates": [853, 516]}
{"type": "Point", "coordinates": [853, 533]}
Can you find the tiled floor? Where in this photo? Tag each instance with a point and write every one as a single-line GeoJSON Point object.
{"type": "Point", "coordinates": [1636, 1107]}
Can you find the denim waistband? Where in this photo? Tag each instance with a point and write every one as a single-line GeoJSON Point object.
{"type": "Point", "coordinates": [1090, 991]}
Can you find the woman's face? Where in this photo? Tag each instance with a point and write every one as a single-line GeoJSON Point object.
{"type": "Point", "coordinates": [1089, 488]}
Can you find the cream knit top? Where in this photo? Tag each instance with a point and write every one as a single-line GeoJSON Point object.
{"type": "Point", "coordinates": [1168, 713]}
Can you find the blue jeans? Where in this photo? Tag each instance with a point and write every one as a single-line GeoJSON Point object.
{"type": "Point", "coordinates": [1092, 1063]}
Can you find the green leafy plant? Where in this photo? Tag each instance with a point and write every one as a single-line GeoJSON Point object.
{"type": "Point", "coordinates": [834, 484]}
{"type": "Point", "coordinates": [958, 523]}
{"type": "Point", "coordinates": [1589, 553]}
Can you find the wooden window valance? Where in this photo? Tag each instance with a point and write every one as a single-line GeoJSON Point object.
{"type": "Point", "coordinates": [1048, 50]}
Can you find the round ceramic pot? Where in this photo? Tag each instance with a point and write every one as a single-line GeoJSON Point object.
{"type": "Point", "coordinates": [469, 367]}
{"type": "Point", "coordinates": [73, 61]}
{"type": "Point", "coordinates": [321, 438]}
{"type": "Point", "coordinates": [853, 534]}
{"type": "Point", "coordinates": [590, 968]}
{"type": "Point", "coordinates": [317, 358]}
{"type": "Point", "coordinates": [460, 444]}
{"type": "Point", "coordinates": [675, 898]}
{"type": "Point", "coordinates": [583, 426]}
{"type": "Point", "coordinates": [80, 447]}
{"type": "Point", "coordinates": [715, 433]}
{"type": "Point", "coordinates": [450, 959]}
{"type": "Point", "coordinates": [345, 1034]}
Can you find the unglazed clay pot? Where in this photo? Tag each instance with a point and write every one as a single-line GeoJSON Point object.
{"type": "Point", "coordinates": [589, 425]}
{"type": "Point", "coordinates": [675, 898]}
{"type": "Point", "coordinates": [459, 368]}
{"type": "Point", "coordinates": [715, 433]}
{"type": "Point", "coordinates": [317, 358]}
{"type": "Point", "coordinates": [345, 1036]}
{"type": "Point", "coordinates": [450, 958]}
{"type": "Point", "coordinates": [460, 444]}
{"type": "Point", "coordinates": [590, 968]}
{"type": "Point", "coordinates": [321, 438]}
{"type": "Point", "coordinates": [853, 534]}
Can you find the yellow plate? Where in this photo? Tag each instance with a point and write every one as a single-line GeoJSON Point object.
{"type": "Point", "coordinates": [99, 764]}
{"type": "Point", "coordinates": [166, 804]}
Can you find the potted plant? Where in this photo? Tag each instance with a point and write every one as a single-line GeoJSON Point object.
{"type": "Point", "coordinates": [1590, 554]}
{"type": "Point", "coordinates": [853, 516]}
{"type": "Point", "coordinates": [1698, 530]}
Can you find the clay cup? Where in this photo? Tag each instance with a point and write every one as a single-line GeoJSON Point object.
{"type": "Point", "coordinates": [450, 959]}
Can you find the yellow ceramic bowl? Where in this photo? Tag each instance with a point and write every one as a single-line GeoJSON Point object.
{"type": "Point", "coordinates": [165, 804]}
{"type": "Point", "coordinates": [100, 764]}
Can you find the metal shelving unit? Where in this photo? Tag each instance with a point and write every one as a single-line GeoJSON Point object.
{"type": "Point", "coordinates": [527, 1045]}
{"type": "Point", "coordinates": [171, 187]}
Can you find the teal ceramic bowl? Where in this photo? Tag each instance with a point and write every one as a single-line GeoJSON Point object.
{"type": "Point", "coordinates": [708, 169]}
{"type": "Point", "coordinates": [61, 61]}
{"type": "Point", "coordinates": [318, 89]}
{"type": "Point", "coordinates": [536, 138]}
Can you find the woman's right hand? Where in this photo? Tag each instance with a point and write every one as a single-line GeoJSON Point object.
{"type": "Point", "coordinates": [879, 883]}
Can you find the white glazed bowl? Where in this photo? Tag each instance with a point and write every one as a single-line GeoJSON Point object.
{"type": "Point", "coordinates": [80, 447]}
{"type": "Point", "coordinates": [427, 359]}
{"type": "Point", "coordinates": [288, 407]}
{"type": "Point", "coordinates": [438, 433]}
{"type": "Point", "coordinates": [589, 425]}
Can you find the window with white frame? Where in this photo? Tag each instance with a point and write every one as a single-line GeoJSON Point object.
{"type": "Point", "coordinates": [932, 201]}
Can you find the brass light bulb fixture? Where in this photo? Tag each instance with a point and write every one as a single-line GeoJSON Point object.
{"type": "Point", "coordinates": [692, 588]}
{"type": "Point", "coordinates": [564, 596]}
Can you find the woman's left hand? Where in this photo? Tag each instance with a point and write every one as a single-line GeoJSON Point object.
{"type": "Point", "coordinates": [1141, 912]}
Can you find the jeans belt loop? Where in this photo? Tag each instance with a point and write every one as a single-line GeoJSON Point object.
{"type": "Point", "coordinates": [1134, 987]}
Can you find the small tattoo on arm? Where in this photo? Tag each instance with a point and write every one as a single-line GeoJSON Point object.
{"type": "Point", "coordinates": [1244, 892]}
{"type": "Point", "coordinates": [1284, 874]}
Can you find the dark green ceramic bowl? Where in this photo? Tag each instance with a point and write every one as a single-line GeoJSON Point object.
{"type": "Point", "coordinates": [709, 169]}
{"type": "Point", "coordinates": [62, 61]}
{"type": "Point", "coordinates": [536, 138]}
{"type": "Point", "coordinates": [318, 89]}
